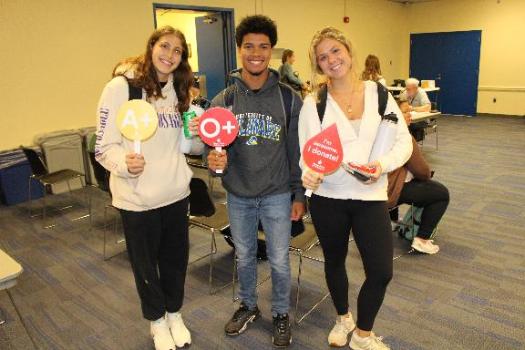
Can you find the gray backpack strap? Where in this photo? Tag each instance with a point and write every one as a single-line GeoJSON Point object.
{"type": "Point", "coordinates": [228, 95]}
{"type": "Point", "coordinates": [287, 94]}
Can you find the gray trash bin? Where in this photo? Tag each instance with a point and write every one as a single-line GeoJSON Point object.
{"type": "Point", "coordinates": [62, 150]}
{"type": "Point", "coordinates": [87, 133]}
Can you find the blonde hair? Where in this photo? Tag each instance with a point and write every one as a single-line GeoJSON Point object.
{"type": "Point", "coordinates": [318, 77]}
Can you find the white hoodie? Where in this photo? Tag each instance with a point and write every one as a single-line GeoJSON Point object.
{"type": "Point", "coordinates": [166, 175]}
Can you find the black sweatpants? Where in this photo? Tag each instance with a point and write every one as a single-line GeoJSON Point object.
{"type": "Point", "coordinates": [158, 248]}
{"type": "Point", "coordinates": [430, 195]}
{"type": "Point", "coordinates": [369, 221]}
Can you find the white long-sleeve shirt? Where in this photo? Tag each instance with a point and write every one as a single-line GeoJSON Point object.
{"type": "Point", "coordinates": [166, 175]}
{"type": "Point", "coordinates": [356, 148]}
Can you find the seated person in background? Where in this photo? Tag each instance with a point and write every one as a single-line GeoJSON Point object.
{"type": "Point", "coordinates": [418, 101]}
{"type": "Point", "coordinates": [196, 98]}
{"type": "Point", "coordinates": [417, 97]}
{"type": "Point", "coordinates": [373, 70]}
{"type": "Point", "coordinates": [411, 184]}
{"type": "Point", "coordinates": [287, 74]}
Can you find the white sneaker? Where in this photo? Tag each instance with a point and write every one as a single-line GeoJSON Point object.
{"type": "Point", "coordinates": [161, 335]}
{"type": "Point", "coordinates": [426, 246]}
{"type": "Point", "coordinates": [368, 343]}
{"type": "Point", "coordinates": [181, 335]}
{"type": "Point", "coordinates": [338, 336]}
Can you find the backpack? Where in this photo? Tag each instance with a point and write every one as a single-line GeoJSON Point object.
{"type": "Point", "coordinates": [382, 97]}
{"type": "Point", "coordinates": [286, 93]}
{"type": "Point", "coordinates": [408, 231]}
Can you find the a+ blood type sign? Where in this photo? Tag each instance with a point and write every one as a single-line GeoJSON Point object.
{"type": "Point", "coordinates": [218, 127]}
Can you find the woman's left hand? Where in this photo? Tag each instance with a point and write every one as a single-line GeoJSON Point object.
{"type": "Point", "coordinates": [194, 126]}
{"type": "Point", "coordinates": [377, 173]}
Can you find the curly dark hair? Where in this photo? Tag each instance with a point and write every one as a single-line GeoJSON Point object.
{"type": "Point", "coordinates": [145, 76]}
{"type": "Point", "coordinates": [257, 24]}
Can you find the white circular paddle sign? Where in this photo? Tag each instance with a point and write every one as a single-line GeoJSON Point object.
{"type": "Point", "coordinates": [218, 127]}
{"type": "Point", "coordinates": [137, 120]}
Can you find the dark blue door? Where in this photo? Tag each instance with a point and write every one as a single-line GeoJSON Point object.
{"type": "Point", "coordinates": [210, 48]}
{"type": "Point", "coordinates": [452, 60]}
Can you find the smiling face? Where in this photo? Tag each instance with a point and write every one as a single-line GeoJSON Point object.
{"type": "Point", "coordinates": [255, 52]}
{"type": "Point", "coordinates": [333, 58]}
{"type": "Point", "coordinates": [166, 55]}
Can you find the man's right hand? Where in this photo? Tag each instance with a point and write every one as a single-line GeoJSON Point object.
{"type": "Point", "coordinates": [135, 163]}
{"type": "Point", "coordinates": [217, 160]}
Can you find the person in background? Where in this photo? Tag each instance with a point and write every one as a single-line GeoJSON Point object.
{"type": "Point", "coordinates": [151, 189]}
{"type": "Point", "coordinates": [287, 74]}
{"type": "Point", "coordinates": [261, 175]}
{"type": "Point", "coordinates": [341, 203]}
{"type": "Point", "coordinates": [418, 101]}
{"type": "Point", "coordinates": [416, 97]}
{"type": "Point", "coordinates": [412, 184]}
{"type": "Point", "coordinates": [373, 70]}
{"type": "Point", "coordinates": [196, 98]}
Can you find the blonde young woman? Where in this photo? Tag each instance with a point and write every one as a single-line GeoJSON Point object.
{"type": "Point", "coordinates": [341, 203]}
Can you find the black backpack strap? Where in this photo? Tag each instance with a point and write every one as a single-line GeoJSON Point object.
{"type": "Point", "coordinates": [134, 92]}
{"type": "Point", "coordinates": [286, 93]}
{"type": "Point", "coordinates": [382, 98]}
{"type": "Point", "coordinates": [321, 105]}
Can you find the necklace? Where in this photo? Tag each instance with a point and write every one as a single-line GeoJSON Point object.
{"type": "Point", "coordinates": [345, 100]}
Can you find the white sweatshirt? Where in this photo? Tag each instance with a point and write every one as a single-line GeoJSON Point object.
{"type": "Point", "coordinates": [166, 175]}
{"type": "Point", "coordinates": [356, 148]}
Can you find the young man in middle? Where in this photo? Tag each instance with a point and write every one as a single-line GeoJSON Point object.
{"type": "Point", "coordinates": [261, 173]}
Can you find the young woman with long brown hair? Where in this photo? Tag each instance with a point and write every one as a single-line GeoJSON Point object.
{"type": "Point", "coordinates": [151, 189]}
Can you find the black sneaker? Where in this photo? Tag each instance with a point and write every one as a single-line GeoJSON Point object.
{"type": "Point", "coordinates": [240, 320]}
{"type": "Point", "coordinates": [282, 335]}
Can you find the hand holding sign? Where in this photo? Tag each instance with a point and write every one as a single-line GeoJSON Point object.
{"type": "Point", "coordinates": [218, 128]}
{"type": "Point", "coordinates": [137, 120]}
{"type": "Point", "coordinates": [323, 153]}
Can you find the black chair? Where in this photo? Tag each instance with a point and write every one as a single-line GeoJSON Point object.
{"type": "Point", "coordinates": [102, 178]}
{"type": "Point", "coordinates": [208, 216]}
{"type": "Point", "coordinates": [47, 179]}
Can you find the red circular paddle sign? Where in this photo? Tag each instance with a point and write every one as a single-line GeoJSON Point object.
{"type": "Point", "coordinates": [323, 153]}
{"type": "Point", "coordinates": [218, 127]}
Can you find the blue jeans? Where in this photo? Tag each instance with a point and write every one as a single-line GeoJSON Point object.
{"type": "Point", "coordinates": [274, 213]}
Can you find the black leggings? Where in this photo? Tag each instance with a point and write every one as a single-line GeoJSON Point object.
{"type": "Point", "coordinates": [369, 221]}
{"type": "Point", "coordinates": [430, 195]}
{"type": "Point", "coordinates": [158, 248]}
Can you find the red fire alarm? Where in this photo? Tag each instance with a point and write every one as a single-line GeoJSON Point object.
{"type": "Point", "coordinates": [346, 19]}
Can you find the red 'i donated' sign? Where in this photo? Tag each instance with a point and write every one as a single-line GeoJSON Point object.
{"type": "Point", "coordinates": [323, 153]}
{"type": "Point", "coordinates": [218, 127]}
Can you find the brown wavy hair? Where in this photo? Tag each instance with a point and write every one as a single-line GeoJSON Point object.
{"type": "Point", "coordinates": [286, 53]}
{"type": "Point", "coordinates": [145, 76]}
{"type": "Point", "coordinates": [372, 68]}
